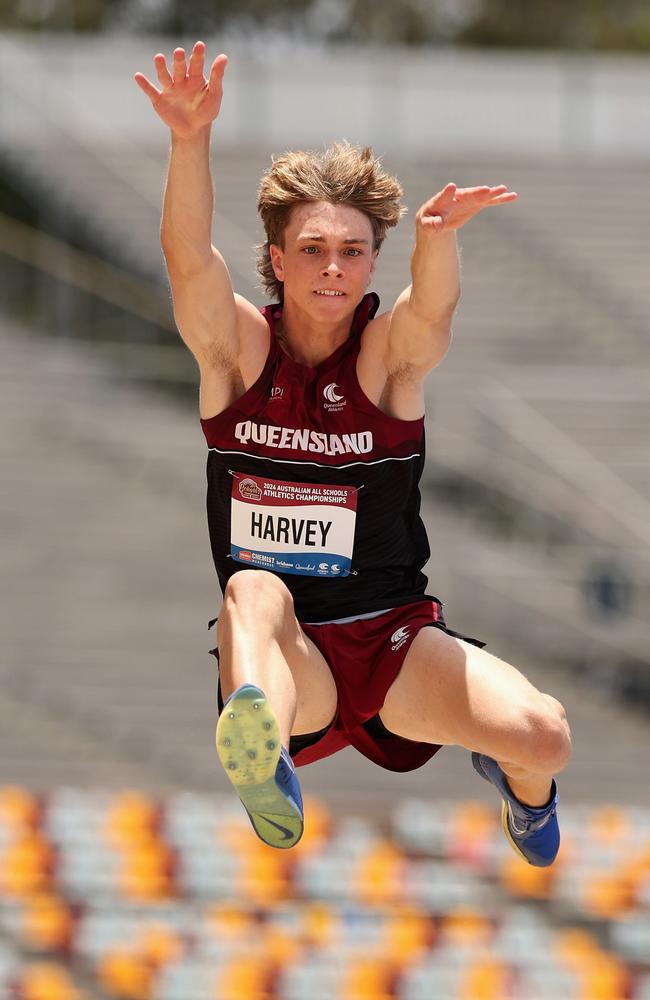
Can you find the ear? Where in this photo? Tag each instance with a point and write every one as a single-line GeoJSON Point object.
{"type": "Point", "coordinates": [277, 261]}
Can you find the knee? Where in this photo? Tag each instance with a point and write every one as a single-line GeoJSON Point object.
{"type": "Point", "coordinates": [255, 592]}
{"type": "Point", "coordinates": [548, 736]}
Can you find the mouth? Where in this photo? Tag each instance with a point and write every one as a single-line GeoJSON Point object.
{"type": "Point", "coordinates": [329, 293]}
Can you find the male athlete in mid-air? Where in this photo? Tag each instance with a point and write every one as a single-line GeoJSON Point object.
{"type": "Point", "coordinates": [313, 410]}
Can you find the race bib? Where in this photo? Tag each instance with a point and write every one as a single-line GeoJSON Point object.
{"type": "Point", "coordinates": [302, 528]}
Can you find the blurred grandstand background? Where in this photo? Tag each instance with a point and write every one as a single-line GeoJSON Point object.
{"type": "Point", "coordinates": [537, 499]}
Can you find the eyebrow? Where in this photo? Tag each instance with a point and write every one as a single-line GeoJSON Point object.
{"type": "Point", "coordinates": [321, 239]}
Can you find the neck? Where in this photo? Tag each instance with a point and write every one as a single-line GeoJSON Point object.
{"type": "Point", "coordinates": [307, 340]}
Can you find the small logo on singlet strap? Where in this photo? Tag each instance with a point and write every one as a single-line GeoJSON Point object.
{"type": "Point", "coordinates": [399, 637]}
{"type": "Point", "coordinates": [277, 392]}
{"type": "Point", "coordinates": [334, 399]}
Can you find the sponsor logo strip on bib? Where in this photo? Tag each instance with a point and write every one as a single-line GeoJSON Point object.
{"type": "Point", "coordinates": [304, 528]}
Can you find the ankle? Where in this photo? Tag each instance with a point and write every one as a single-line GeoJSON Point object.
{"type": "Point", "coordinates": [535, 791]}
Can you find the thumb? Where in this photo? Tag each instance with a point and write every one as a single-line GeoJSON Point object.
{"type": "Point", "coordinates": [217, 71]}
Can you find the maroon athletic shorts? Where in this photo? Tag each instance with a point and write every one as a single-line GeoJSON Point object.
{"type": "Point", "coordinates": [365, 656]}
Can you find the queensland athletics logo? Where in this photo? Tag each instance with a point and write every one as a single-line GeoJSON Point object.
{"type": "Point", "coordinates": [334, 401]}
{"type": "Point", "coordinates": [399, 637]}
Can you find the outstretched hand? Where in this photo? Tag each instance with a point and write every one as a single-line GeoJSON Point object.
{"type": "Point", "coordinates": [452, 207]}
{"type": "Point", "coordinates": [188, 101]}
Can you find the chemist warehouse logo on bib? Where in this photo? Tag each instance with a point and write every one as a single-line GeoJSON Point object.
{"type": "Point", "coordinates": [399, 637]}
{"type": "Point", "coordinates": [334, 400]}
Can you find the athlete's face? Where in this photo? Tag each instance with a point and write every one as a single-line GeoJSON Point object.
{"type": "Point", "coordinates": [327, 248]}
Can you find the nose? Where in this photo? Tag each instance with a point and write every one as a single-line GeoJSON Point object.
{"type": "Point", "coordinates": [331, 270]}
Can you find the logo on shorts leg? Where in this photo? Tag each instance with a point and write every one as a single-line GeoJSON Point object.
{"type": "Point", "coordinates": [399, 637]}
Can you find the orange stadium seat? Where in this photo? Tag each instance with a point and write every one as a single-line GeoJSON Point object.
{"type": "Point", "coordinates": [465, 927]}
{"type": "Point", "coordinates": [231, 920]}
{"type": "Point", "coordinates": [379, 878]}
{"type": "Point", "coordinates": [321, 925]}
{"type": "Point", "coordinates": [281, 947]}
{"type": "Point", "coordinates": [125, 975]}
{"type": "Point", "coordinates": [47, 923]}
{"type": "Point", "coordinates": [47, 981]}
{"type": "Point", "coordinates": [408, 934]}
{"type": "Point", "coordinates": [527, 881]}
{"type": "Point", "coordinates": [159, 945]}
{"type": "Point", "coordinates": [608, 895]}
{"type": "Point", "coordinates": [576, 948]}
{"type": "Point", "coordinates": [131, 817]}
{"type": "Point", "coordinates": [244, 979]}
{"type": "Point", "coordinates": [611, 825]}
{"type": "Point", "coordinates": [26, 865]}
{"type": "Point", "coordinates": [367, 979]}
{"type": "Point", "coordinates": [20, 809]}
{"type": "Point", "coordinates": [605, 978]}
{"type": "Point", "coordinates": [262, 878]}
{"type": "Point", "coordinates": [146, 870]}
{"type": "Point", "coordinates": [486, 979]}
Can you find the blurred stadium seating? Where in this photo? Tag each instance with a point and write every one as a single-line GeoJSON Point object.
{"type": "Point", "coordinates": [435, 904]}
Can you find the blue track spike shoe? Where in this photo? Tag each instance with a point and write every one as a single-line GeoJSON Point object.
{"type": "Point", "coordinates": [260, 768]}
{"type": "Point", "coordinates": [533, 832]}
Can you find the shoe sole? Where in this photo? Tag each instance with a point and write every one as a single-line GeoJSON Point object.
{"type": "Point", "coordinates": [249, 745]}
{"type": "Point", "coordinates": [506, 829]}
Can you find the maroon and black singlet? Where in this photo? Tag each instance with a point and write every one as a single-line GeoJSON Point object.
{"type": "Point", "coordinates": [310, 480]}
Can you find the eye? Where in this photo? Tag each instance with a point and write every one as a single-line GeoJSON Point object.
{"type": "Point", "coordinates": [353, 252]}
{"type": "Point", "coordinates": [308, 250]}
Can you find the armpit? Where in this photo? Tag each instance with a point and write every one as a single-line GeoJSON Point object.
{"type": "Point", "coordinates": [218, 356]}
{"type": "Point", "coordinates": [404, 373]}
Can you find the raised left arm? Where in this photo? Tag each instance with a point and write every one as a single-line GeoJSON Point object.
{"type": "Point", "coordinates": [420, 326]}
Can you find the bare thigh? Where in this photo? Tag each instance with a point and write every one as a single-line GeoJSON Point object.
{"type": "Point", "coordinates": [261, 642]}
{"type": "Point", "coordinates": [316, 694]}
{"type": "Point", "coordinates": [452, 692]}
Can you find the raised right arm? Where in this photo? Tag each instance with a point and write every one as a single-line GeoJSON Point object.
{"type": "Point", "coordinates": [226, 334]}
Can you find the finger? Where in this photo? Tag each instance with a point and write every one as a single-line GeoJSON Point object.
{"type": "Point", "coordinates": [217, 70]}
{"type": "Point", "coordinates": [503, 199]}
{"type": "Point", "coordinates": [164, 76]}
{"type": "Point", "coordinates": [440, 202]}
{"type": "Point", "coordinates": [447, 195]}
{"type": "Point", "coordinates": [483, 191]}
{"type": "Point", "coordinates": [197, 59]}
{"type": "Point", "coordinates": [433, 223]}
{"type": "Point", "coordinates": [145, 85]}
{"type": "Point", "coordinates": [179, 69]}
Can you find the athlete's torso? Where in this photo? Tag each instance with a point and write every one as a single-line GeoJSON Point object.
{"type": "Point", "coordinates": [310, 480]}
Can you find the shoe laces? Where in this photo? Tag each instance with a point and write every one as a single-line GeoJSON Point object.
{"type": "Point", "coordinates": [521, 824]}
